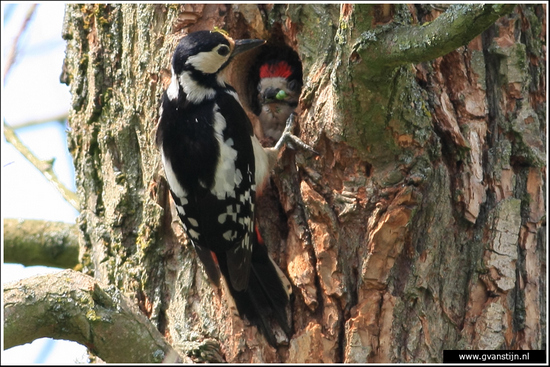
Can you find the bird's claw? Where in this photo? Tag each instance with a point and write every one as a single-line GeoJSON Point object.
{"type": "Point", "coordinates": [292, 140]}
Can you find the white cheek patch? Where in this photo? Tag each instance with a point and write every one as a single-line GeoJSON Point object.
{"type": "Point", "coordinates": [208, 62]}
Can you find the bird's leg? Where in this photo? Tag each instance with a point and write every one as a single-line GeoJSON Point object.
{"type": "Point", "coordinates": [291, 140]}
{"type": "Point", "coordinates": [287, 138]}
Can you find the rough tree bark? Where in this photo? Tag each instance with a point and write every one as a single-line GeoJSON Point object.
{"type": "Point", "coordinates": [419, 228]}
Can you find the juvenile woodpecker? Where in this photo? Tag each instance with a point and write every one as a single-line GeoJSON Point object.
{"type": "Point", "coordinates": [214, 164]}
{"type": "Point", "coordinates": [279, 91]}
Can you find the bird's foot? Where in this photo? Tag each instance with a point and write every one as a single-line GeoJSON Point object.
{"type": "Point", "coordinates": [291, 140]}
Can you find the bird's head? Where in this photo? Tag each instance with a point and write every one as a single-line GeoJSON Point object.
{"type": "Point", "coordinates": [278, 83]}
{"type": "Point", "coordinates": [199, 58]}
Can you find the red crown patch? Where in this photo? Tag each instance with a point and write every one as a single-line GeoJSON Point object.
{"type": "Point", "coordinates": [280, 69]}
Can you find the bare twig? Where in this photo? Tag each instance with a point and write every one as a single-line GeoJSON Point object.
{"type": "Point", "coordinates": [73, 306]}
{"type": "Point", "coordinates": [58, 118]}
{"type": "Point", "coordinates": [38, 242]}
{"type": "Point", "coordinates": [10, 60]}
{"type": "Point", "coordinates": [46, 167]}
{"type": "Point", "coordinates": [43, 166]}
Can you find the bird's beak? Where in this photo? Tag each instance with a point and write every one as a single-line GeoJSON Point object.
{"type": "Point", "coordinates": [245, 45]}
{"type": "Point", "coordinates": [270, 94]}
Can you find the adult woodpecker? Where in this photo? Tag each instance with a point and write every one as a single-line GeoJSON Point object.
{"type": "Point", "coordinates": [278, 94]}
{"type": "Point", "coordinates": [214, 165]}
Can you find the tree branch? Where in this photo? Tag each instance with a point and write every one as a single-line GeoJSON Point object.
{"type": "Point", "coordinates": [58, 118]}
{"type": "Point", "coordinates": [70, 305]}
{"type": "Point", "coordinates": [37, 242]}
{"type": "Point", "coordinates": [46, 167]}
{"type": "Point", "coordinates": [10, 60]}
{"type": "Point", "coordinates": [414, 44]}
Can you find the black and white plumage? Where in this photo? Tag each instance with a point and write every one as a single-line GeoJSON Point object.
{"type": "Point", "coordinates": [213, 165]}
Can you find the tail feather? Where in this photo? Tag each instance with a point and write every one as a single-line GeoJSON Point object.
{"type": "Point", "coordinates": [272, 286]}
{"type": "Point", "coordinates": [265, 297]}
{"type": "Point", "coordinates": [261, 310]}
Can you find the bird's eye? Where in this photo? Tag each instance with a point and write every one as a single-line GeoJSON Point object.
{"type": "Point", "coordinates": [223, 51]}
{"type": "Point", "coordinates": [293, 85]}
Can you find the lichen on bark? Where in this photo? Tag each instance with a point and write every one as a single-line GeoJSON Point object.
{"type": "Point", "coordinates": [393, 235]}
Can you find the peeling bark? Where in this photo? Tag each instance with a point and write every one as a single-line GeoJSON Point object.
{"type": "Point", "coordinates": [421, 225]}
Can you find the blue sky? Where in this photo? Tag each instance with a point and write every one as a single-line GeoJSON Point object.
{"type": "Point", "coordinates": [32, 91]}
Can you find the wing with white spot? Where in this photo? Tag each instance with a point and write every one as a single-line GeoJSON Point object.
{"type": "Point", "coordinates": [209, 163]}
{"type": "Point", "coordinates": [226, 227]}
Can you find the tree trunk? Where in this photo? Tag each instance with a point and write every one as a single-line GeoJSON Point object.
{"type": "Point", "coordinates": [420, 227]}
